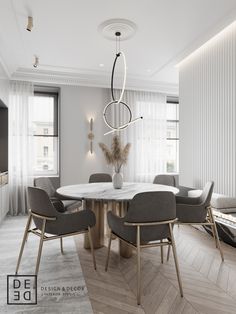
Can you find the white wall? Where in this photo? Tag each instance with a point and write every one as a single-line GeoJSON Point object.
{"type": "Point", "coordinates": [4, 90]}
{"type": "Point", "coordinates": [207, 86]}
{"type": "Point", "coordinates": [78, 105]}
{"type": "Point", "coordinates": [4, 86]}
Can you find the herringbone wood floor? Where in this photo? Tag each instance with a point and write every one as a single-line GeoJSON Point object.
{"type": "Point", "coordinates": [209, 285]}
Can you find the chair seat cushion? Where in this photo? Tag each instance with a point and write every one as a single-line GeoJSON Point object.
{"type": "Point", "coordinates": [222, 201]}
{"type": "Point", "coordinates": [183, 190]}
{"type": "Point", "coordinates": [58, 205]}
{"type": "Point", "coordinates": [65, 205]}
{"type": "Point", "coordinates": [194, 193]}
{"type": "Point", "coordinates": [71, 205]}
{"type": "Point", "coordinates": [230, 210]}
{"type": "Point", "coordinates": [226, 203]}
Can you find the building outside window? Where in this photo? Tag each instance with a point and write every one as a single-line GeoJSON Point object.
{"type": "Point", "coordinates": [45, 131]}
{"type": "Point", "coordinates": [45, 151]}
{"type": "Point", "coordinates": [44, 119]}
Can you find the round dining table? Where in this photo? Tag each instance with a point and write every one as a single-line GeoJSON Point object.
{"type": "Point", "coordinates": [100, 197]}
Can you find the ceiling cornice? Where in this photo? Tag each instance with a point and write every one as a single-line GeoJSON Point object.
{"type": "Point", "coordinates": [91, 79]}
{"type": "Point", "coordinates": [200, 41]}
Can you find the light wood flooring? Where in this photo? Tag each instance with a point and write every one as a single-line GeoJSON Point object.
{"type": "Point", "coordinates": [209, 285]}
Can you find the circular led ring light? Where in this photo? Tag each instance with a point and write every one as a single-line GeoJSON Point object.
{"type": "Point", "coordinates": [124, 78]}
{"type": "Point", "coordinates": [105, 117]}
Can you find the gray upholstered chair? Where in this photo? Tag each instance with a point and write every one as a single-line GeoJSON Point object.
{"type": "Point", "coordinates": [100, 177]}
{"type": "Point", "coordinates": [58, 202]}
{"type": "Point", "coordinates": [103, 206]}
{"type": "Point", "coordinates": [51, 224]}
{"type": "Point", "coordinates": [164, 179]}
{"type": "Point", "coordinates": [150, 218]}
{"type": "Point", "coordinates": [197, 211]}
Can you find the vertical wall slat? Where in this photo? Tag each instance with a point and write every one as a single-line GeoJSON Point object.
{"type": "Point", "coordinates": [207, 83]}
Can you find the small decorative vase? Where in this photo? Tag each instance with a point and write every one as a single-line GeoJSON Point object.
{"type": "Point", "coordinates": [117, 180]}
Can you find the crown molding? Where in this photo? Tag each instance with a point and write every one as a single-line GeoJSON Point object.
{"type": "Point", "coordinates": [91, 80]}
{"type": "Point", "coordinates": [204, 38]}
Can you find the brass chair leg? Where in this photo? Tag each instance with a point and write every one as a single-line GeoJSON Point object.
{"type": "Point", "coordinates": [176, 260]}
{"type": "Point", "coordinates": [168, 253]}
{"type": "Point", "coordinates": [61, 245]}
{"type": "Point", "coordinates": [212, 227]}
{"type": "Point", "coordinates": [218, 245]}
{"type": "Point", "coordinates": [91, 246]}
{"type": "Point", "coordinates": [40, 247]}
{"type": "Point", "coordinates": [23, 242]}
{"type": "Point", "coordinates": [161, 253]}
{"type": "Point", "coordinates": [216, 235]}
{"type": "Point", "coordinates": [28, 229]}
{"type": "Point", "coordinates": [218, 242]}
{"type": "Point", "coordinates": [138, 267]}
{"type": "Point", "coordinates": [108, 251]}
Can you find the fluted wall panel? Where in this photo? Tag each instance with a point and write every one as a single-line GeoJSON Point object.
{"type": "Point", "coordinates": [207, 86]}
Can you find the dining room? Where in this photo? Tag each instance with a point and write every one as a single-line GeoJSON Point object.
{"type": "Point", "coordinates": [117, 141]}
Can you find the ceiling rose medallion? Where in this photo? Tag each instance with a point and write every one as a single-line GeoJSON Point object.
{"type": "Point", "coordinates": [110, 27]}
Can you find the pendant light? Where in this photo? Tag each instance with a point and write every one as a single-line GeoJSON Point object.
{"type": "Point", "coordinates": [114, 102]}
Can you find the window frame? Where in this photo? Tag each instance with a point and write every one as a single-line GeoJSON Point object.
{"type": "Point", "coordinates": [55, 134]}
{"type": "Point", "coordinates": [174, 100]}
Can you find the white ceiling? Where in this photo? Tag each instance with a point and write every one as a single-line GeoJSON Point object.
{"type": "Point", "coordinates": [70, 48]}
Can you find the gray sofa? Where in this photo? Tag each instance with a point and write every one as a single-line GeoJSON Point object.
{"type": "Point", "coordinates": [224, 209]}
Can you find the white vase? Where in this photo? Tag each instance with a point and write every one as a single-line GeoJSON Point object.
{"type": "Point", "coordinates": [117, 180]}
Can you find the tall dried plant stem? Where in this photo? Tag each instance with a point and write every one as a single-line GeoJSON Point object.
{"type": "Point", "coordinates": [117, 155]}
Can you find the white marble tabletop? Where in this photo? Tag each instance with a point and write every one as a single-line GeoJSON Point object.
{"type": "Point", "coordinates": [106, 191]}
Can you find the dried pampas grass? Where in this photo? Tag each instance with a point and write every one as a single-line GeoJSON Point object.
{"type": "Point", "coordinates": [118, 155]}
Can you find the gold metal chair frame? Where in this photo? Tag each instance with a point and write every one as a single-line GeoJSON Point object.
{"type": "Point", "coordinates": [210, 221]}
{"type": "Point", "coordinates": [43, 237]}
{"type": "Point", "coordinates": [138, 246]}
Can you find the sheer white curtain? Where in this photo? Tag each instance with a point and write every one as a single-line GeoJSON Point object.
{"type": "Point", "coordinates": [148, 136]}
{"type": "Point", "coordinates": [20, 145]}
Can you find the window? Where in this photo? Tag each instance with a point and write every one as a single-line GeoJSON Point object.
{"type": "Point", "coordinates": [172, 136]}
{"type": "Point", "coordinates": [44, 118]}
{"type": "Point", "coordinates": [45, 151]}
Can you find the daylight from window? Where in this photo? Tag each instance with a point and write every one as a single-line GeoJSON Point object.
{"type": "Point", "coordinates": [45, 134]}
{"type": "Point", "coordinates": [172, 137]}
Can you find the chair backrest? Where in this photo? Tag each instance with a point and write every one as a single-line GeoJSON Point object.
{"type": "Point", "coordinates": [205, 197]}
{"type": "Point", "coordinates": [152, 207]}
{"type": "Point", "coordinates": [45, 184]}
{"type": "Point", "coordinates": [100, 177]}
{"type": "Point", "coordinates": [165, 179]}
{"type": "Point", "coordinates": [40, 203]}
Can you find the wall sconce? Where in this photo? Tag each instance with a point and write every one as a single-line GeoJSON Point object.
{"type": "Point", "coordinates": [30, 24]}
{"type": "Point", "coordinates": [36, 62]}
{"type": "Point", "coordinates": [91, 135]}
